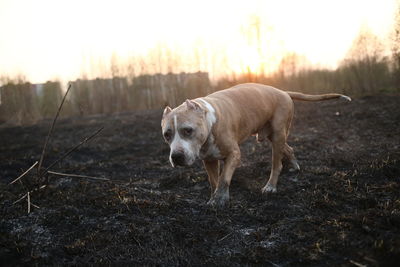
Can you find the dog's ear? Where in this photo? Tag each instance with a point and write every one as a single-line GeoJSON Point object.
{"type": "Point", "coordinates": [192, 105]}
{"type": "Point", "coordinates": [166, 111]}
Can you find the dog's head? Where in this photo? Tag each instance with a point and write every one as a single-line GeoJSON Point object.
{"type": "Point", "coordinates": [185, 129]}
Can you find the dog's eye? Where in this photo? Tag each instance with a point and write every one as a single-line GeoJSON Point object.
{"type": "Point", "coordinates": [167, 135]}
{"type": "Point", "coordinates": [187, 131]}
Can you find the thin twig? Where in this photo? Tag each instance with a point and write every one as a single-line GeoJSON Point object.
{"type": "Point", "coordinates": [51, 130]}
{"type": "Point", "coordinates": [71, 150]}
{"type": "Point", "coordinates": [225, 237]}
{"type": "Point", "coordinates": [273, 264]}
{"type": "Point", "coordinates": [24, 196]}
{"type": "Point", "coordinates": [43, 186]}
{"type": "Point", "coordinates": [36, 206]}
{"type": "Point", "coordinates": [29, 203]}
{"type": "Point", "coordinates": [22, 175]}
{"type": "Point", "coordinates": [357, 263]}
{"type": "Point", "coordinates": [79, 176]}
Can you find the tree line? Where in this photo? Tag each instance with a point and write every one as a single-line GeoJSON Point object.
{"type": "Point", "coordinates": [368, 68]}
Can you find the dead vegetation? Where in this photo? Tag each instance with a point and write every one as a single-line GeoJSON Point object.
{"type": "Point", "coordinates": [38, 180]}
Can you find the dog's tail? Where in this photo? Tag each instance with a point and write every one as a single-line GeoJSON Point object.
{"type": "Point", "coordinates": [304, 97]}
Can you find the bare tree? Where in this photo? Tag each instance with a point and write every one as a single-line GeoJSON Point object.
{"type": "Point", "coordinates": [365, 63]}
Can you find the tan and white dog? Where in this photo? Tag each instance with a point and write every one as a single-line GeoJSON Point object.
{"type": "Point", "coordinates": [211, 128]}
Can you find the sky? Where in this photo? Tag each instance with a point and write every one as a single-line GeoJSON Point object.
{"type": "Point", "coordinates": [63, 39]}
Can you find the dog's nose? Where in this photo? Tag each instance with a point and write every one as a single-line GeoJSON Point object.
{"type": "Point", "coordinates": [178, 158]}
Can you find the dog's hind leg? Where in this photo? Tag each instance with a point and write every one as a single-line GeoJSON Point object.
{"type": "Point", "coordinates": [287, 150]}
{"type": "Point", "coordinates": [280, 125]}
{"type": "Point", "coordinates": [289, 154]}
{"type": "Point", "coordinates": [278, 143]}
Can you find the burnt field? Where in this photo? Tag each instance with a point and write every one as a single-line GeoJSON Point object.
{"type": "Point", "coordinates": [342, 208]}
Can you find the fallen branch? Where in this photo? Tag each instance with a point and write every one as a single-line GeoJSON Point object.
{"type": "Point", "coordinates": [78, 176]}
{"type": "Point", "coordinates": [51, 130]}
{"type": "Point", "coordinates": [71, 150]}
{"type": "Point", "coordinates": [22, 175]}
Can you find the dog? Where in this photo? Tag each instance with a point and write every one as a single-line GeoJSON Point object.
{"type": "Point", "coordinates": [211, 128]}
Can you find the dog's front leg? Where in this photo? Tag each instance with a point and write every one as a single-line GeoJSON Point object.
{"type": "Point", "coordinates": [221, 195]}
{"type": "Point", "coordinates": [212, 168]}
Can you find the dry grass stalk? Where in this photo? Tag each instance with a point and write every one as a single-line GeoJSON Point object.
{"type": "Point", "coordinates": [24, 196]}
{"type": "Point", "coordinates": [78, 176]}
{"type": "Point", "coordinates": [29, 203]}
{"type": "Point", "coordinates": [71, 150]}
{"type": "Point", "coordinates": [46, 171]}
{"type": "Point", "coordinates": [51, 130]}
{"type": "Point", "coordinates": [22, 175]}
{"type": "Point", "coordinates": [35, 206]}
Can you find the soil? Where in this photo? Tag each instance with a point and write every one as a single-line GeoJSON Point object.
{"type": "Point", "coordinates": [342, 208]}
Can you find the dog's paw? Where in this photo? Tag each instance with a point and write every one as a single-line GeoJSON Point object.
{"type": "Point", "coordinates": [212, 203]}
{"type": "Point", "coordinates": [295, 167]}
{"type": "Point", "coordinates": [268, 189]}
{"type": "Point", "coordinates": [219, 200]}
{"type": "Point", "coordinates": [217, 203]}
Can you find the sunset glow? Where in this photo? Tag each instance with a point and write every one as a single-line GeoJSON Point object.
{"type": "Point", "coordinates": [46, 39]}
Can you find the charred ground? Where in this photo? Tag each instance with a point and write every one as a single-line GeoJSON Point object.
{"type": "Point", "coordinates": [343, 208]}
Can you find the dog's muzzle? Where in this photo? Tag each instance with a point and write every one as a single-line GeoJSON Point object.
{"type": "Point", "coordinates": [178, 158]}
